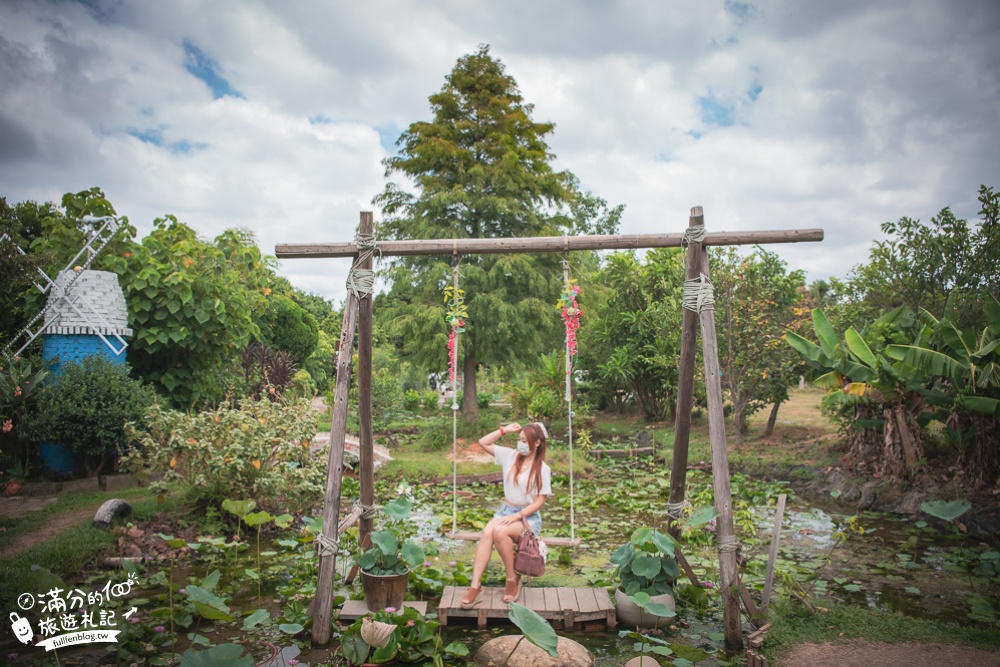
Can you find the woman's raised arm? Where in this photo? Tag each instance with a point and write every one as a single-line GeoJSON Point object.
{"type": "Point", "coordinates": [490, 439]}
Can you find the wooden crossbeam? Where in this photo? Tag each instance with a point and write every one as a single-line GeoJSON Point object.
{"type": "Point", "coordinates": [551, 541]}
{"type": "Point", "coordinates": [506, 246]}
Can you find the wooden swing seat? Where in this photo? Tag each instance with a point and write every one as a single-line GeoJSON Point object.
{"type": "Point", "coordinates": [551, 541]}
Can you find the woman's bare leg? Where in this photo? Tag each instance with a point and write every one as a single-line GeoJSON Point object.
{"type": "Point", "coordinates": [503, 538]}
{"type": "Point", "coordinates": [483, 553]}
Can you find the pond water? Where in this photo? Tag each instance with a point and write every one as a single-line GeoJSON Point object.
{"type": "Point", "coordinates": [870, 560]}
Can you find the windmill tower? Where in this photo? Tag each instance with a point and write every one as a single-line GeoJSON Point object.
{"type": "Point", "coordinates": [84, 315]}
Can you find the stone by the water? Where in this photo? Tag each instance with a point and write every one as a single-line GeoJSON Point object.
{"type": "Point", "coordinates": [494, 652]}
{"type": "Point", "coordinates": [642, 661]}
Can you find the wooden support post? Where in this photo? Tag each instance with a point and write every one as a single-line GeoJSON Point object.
{"type": "Point", "coordinates": [685, 383]}
{"type": "Point", "coordinates": [366, 452]}
{"type": "Point", "coordinates": [779, 514]}
{"type": "Point", "coordinates": [323, 603]}
{"type": "Point", "coordinates": [725, 532]}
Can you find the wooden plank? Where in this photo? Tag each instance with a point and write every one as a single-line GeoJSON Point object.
{"type": "Point", "coordinates": [779, 514]}
{"type": "Point", "coordinates": [484, 478]}
{"type": "Point", "coordinates": [685, 382]}
{"type": "Point", "coordinates": [551, 600]}
{"type": "Point", "coordinates": [507, 246]}
{"type": "Point", "coordinates": [355, 609]}
{"type": "Point", "coordinates": [725, 531]}
{"type": "Point", "coordinates": [568, 605]}
{"type": "Point", "coordinates": [322, 609]}
{"type": "Point", "coordinates": [533, 598]}
{"type": "Point", "coordinates": [683, 562]}
{"type": "Point", "coordinates": [756, 639]}
{"type": "Point", "coordinates": [366, 452]}
{"type": "Point", "coordinates": [748, 604]}
{"type": "Point", "coordinates": [469, 536]}
{"type": "Point", "coordinates": [586, 601]}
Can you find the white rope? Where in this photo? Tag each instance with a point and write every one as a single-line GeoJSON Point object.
{"type": "Point", "coordinates": [694, 234]}
{"type": "Point", "coordinates": [361, 282]}
{"type": "Point", "coordinates": [675, 510]}
{"type": "Point", "coordinates": [569, 413]}
{"type": "Point", "coordinates": [326, 546]}
{"type": "Point", "coordinates": [699, 294]}
{"type": "Point", "coordinates": [454, 424]}
{"type": "Point", "coordinates": [728, 544]}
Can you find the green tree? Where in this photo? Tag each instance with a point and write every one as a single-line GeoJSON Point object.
{"type": "Point", "coordinates": [481, 169]}
{"type": "Point", "coordinates": [192, 305]}
{"type": "Point", "coordinates": [21, 224]}
{"type": "Point", "coordinates": [285, 325]}
{"type": "Point", "coordinates": [877, 400]}
{"type": "Point", "coordinates": [86, 407]}
{"type": "Point", "coordinates": [919, 265]}
{"type": "Point", "coordinates": [965, 394]}
{"type": "Point", "coordinates": [632, 338]}
{"type": "Point", "coordinates": [755, 298]}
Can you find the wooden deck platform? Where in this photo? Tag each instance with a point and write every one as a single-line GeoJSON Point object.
{"type": "Point", "coordinates": [587, 609]}
{"type": "Point", "coordinates": [355, 609]}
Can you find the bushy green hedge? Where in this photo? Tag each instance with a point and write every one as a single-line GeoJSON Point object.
{"type": "Point", "coordinates": [85, 409]}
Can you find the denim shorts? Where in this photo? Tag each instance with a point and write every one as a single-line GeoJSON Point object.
{"type": "Point", "coordinates": [534, 520]}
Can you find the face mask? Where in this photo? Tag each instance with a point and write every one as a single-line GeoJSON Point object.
{"type": "Point", "coordinates": [523, 448]}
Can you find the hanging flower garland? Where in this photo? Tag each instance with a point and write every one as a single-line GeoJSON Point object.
{"type": "Point", "coordinates": [456, 316]}
{"type": "Point", "coordinates": [571, 314]}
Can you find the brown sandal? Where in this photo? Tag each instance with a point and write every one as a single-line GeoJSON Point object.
{"type": "Point", "coordinates": [471, 598]}
{"type": "Point", "coordinates": [512, 590]}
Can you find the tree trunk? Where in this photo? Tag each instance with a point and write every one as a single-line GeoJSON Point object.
{"type": "Point", "coordinates": [902, 448]}
{"type": "Point", "coordinates": [739, 416]}
{"type": "Point", "coordinates": [771, 419]}
{"type": "Point", "coordinates": [470, 402]}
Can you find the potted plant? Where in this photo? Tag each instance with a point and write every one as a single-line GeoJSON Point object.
{"type": "Point", "coordinates": [646, 564]}
{"type": "Point", "coordinates": [16, 474]}
{"type": "Point", "coordinates": [385, 567]}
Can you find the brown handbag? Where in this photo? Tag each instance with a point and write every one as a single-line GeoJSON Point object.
{"type": "Point", "coordinates": [529, 560]}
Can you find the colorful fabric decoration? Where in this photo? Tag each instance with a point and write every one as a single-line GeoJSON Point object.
{"type": "Point", "coordinates": [456, 316]}
{"type": "Point", "coordinates": [571, 314]}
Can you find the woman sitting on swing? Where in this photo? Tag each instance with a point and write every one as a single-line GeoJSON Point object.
{"type": "Point", "coordinates": [527, 480]}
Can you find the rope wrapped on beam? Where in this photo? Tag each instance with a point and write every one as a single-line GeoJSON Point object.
{"type": "Point", "coordinates": [361, 282]}
{"type": "Point", "coordinates": [368, 512]}
{"type": "Point", "coordinates": [699, 294]}
{"type": "Point", "coordinates": [326, 546]}
{"type": "Point", "coordinates": [675, 510]}
{"type": "Point", "coordinates": [694, 234]}
{"type": "Point", "coordinates": [728, 544]}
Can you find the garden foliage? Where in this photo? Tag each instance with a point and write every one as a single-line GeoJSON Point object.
{"type": "Point", "coordinates": [257, 449]}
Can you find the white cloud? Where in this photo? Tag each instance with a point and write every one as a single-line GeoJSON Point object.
{"type": "Point", "coordinates": [774, 114]}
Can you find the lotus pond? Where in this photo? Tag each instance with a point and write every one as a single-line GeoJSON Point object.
{"type": "Point", "coordinates": [254, 588]}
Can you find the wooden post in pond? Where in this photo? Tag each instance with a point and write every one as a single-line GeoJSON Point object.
{"type": "Point", "coordinates": [685, 383]}
{"type": "Point", "coordinates": [366, 448]}
{"type": "Point", "coordinates": [698, 295]}
{"type": "Point", "coordinates": [323, 602]}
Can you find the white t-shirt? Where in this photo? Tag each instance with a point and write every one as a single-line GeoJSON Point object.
{"type": "Point", "coordinates": [515, 491]}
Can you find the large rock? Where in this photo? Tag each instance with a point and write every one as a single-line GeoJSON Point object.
{"type": "Point", "coordinates": [494, 652]}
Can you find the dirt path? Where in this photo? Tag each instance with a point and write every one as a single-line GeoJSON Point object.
{"type": "Point", "coordinates": [867, 654]}
{"type": "Point", "coordinates": [53, 526]}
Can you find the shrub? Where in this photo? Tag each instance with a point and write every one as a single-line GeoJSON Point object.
{"type": "Point", "coordinates": [430, 400]}
{"type": "Point", "coordinates": [86, 407]}
{"type": "Point", "coordinates": [437, 434]}
{"type": "Point", "coordinates": [483, 399]}
{"type": "Point", "coordinates": [258, 449]}
{"type": "Point", "coordinates": [411, 400]}
{"type": "Point", "coordinates": [544, 404]}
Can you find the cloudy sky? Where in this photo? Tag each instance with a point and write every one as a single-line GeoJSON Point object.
{"type": "Point", "coordinates": [275, 116]}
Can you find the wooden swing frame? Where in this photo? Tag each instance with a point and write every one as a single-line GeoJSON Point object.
{"type": "Point", "coordinates": [358, 313]}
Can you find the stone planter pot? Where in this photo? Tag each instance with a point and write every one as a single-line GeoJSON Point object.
{"type": "Point", "coordinates": [385, 590]}
{"type": "Point", "coordinates": [629, 613]}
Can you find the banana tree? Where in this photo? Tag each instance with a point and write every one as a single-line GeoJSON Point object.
{"type": "Point", "coordinates": [967, 391]}
{"type": "Point", "coordinates": [879, 397]}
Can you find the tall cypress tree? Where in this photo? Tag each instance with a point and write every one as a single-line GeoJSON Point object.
{"type": "Point", "coordinates": [481, 169]}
